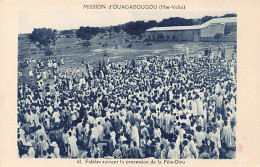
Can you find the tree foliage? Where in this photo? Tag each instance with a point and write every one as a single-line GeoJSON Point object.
{"type": "Point", "coordinates": [151, 24]}
{"type": "Point", "coordinates": [139, 27]}
{"type": "Point", "coordinates": [43, 37]}
{"type": "Point", "coordinates": [87, 33]}
{"type": "Point", "coordinates": [135, 28]}
{"type": "Point", "coordinates": [66, 32]}
{"type": "Point", "coordinates": [205, 19]}
{"type": "Point", "coordinates": [230, 15]}
{"type": "Point", "coordinates": [116, 29]}
{"type": "Point", "coordinates": [175, 21]}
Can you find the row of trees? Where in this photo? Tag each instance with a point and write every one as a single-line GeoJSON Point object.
{"type": "Point", "coordinates": [43, 37]}
{"type": "Point", "coordinates": [139, 27]}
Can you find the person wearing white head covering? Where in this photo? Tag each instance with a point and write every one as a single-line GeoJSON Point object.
{"type": "Point", "coordinates": [56, 149]}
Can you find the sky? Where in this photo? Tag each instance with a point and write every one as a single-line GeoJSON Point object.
{"type": "Point", "coordinates": [65, 20]}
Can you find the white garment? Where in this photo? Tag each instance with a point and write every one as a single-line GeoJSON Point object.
{"type": "Point", "coordinates": [73, 148]}
{"type": "Point", "coordinates": [56, 116]}
{"type": "Point", "coordinates": [135, 135]}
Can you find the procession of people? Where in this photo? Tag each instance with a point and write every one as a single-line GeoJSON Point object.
{"type": "Point", "coordinates": [151, 107]}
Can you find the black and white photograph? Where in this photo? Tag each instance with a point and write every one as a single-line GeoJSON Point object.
{"type": "Point", "coordinates": [163, 87]}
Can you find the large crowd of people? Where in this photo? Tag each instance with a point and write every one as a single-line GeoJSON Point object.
{"type": "Point", "coordinates": [179, 108]}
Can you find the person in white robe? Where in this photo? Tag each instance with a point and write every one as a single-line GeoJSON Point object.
{"type": "Point", "coordinates": [226, 135]}
{"type": "Point", "coordinates": [135, 135]}
{"type": "Point", "coordinates": [72, 146]}
{"type": "Point", "coordinates": [167, 119]}
{"type": "Point", "coordinates": [199, 106]}
{"type": "Point", "coordinates": [173, 153]}
{"type": "Point", "coordinates": [199, 136]}
{"type": "Point", "coordinates": [194, 107]}
{"type": "Point", "coordinates": [193, 149]}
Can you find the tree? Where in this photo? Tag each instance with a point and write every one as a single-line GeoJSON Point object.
{"type": "Point", "coordinates": [87, 33]}
{"type": "Point", "coordinates": [135, 28]}
{"type": "Point", "coordinates": [116, 29]}
{"type": "Point", "coordinates": [230, 15]}
{"type": "Point", "coordinates": [176, 21]}
{"type": "Point", "coordinates": [43, 37]}
{"type": "Point", "coordinates": [110, 29]}
{"type": "Point", "coordinates": [151, 24]}
{"type": "Point", "coordinates": [205, 19]}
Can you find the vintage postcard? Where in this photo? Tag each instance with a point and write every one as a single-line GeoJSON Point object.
{"type": "Point", "coordinates": [129, 83]}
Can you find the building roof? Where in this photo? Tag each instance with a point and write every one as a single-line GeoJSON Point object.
{"type": "Point", "coordinates": [196, 27]}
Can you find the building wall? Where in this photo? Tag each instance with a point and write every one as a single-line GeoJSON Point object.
{"type": "Point", "coordinates": [223, 39]}
{"type": "Point", "coordinates": [176, 35]}
{"type": "Point", "coordinates": [230, 28]}
{"type": "Point", "coordinates": [212, 30]}
{"type": "Point", "coordinates": [204, 35]}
